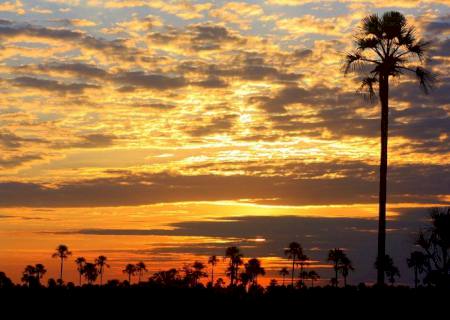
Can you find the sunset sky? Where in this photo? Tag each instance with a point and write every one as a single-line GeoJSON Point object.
{"type": "Point", "coordinates": [165, 131]}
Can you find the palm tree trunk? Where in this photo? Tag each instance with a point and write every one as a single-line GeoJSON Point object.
{"type": "Point", "coordinates": [80, 279]}
{"type": "Point", "coordinates": [101, 275]}
{"type": "Point", "coordinates": [61, 271]}
{"type": "Point", "coordinates": [416, 280]}
{"type": "Point", "coordinates": [129, 278]}
{"type": "Point", "coordinates": [212, 276]}
{"type": "Point", "coordinates": [336, 275]}
{"type": "Point", "coordinates": [384, 99]}
{"type": "Point", "coordinates": [292, 273]}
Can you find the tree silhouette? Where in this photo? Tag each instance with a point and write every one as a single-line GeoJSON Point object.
{"type": "Point", "coordinates": [294, 251]}
{"type": "Point", "coordinates": [5, 282]}
{"type": "Point", "coordinates": [90, 272]}
{"type": "Point", "coordinates": [313, 276]}
{"type": "Point", "coordinates": [212, 260]}
{"type": "Point", "coordinates": [345, 267]}
{"type": "Point", "coordinates": [417, 260]}
{"type": "Point", "coordinates": [101, 264]}
{"type": "Point", "coordinates": [165, 278]}
{"type": "Point", "coordinates": [302, 261]}
{"type": "Point", "coordinates": [140, 269]}
{"type": "Point", "coordinates": [80, 262]}
{"type": "Point", "coordinates": [386, 46]}
{"type": "Point", "coordinates": [198, 272]}
{"type": "Point", "coordinates": [336, 256]}
{"type": "Point", "coordinates": [62, 252]}
{"type": "Point", "coordinates": [32, 275]}
{"type": "Point", "coordinates": [130, 270]}
{"type": "Point", "coordinates": [435, 242]}
{"type": "Point", "coordinates": [284, 272]}
{"type": "Point", "coordinates": [253, 269]}
{"type": "Point", "coordinates": [387, 264]}
{"type": "Point", "coordinates": [234, 255]}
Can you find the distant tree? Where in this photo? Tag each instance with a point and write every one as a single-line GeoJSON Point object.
{"type": "Point", "coordinates": [387, 264]}
{"type": "Point", "coordinates": [165, 278]}
{"type": "Point", "coordinates": [387, 46]}
{"type": "Point", "coordinates": [212, 260]}
{"type": "Point", "coordinates": [80, 262]}
{"type": "Point", "coordinates": [140, 269]}
{"type": "Point", "coordinates": [302, 261]}
{"type": "Point", "coordinates": [90, 272]}
{"type": "Point", "coordinates": [234, 255]}
{"type": "Point", "coordinates": [219, 283]}
{"type": "Point", "coordinates": [418, 261]}
{"type": "Point", "coordinates": [5, 282]}
{"type": "Point", "coordinates": [336, 256]}
{"type": "Point", "coordinates": [254, 269]}
{"type": "Point", "coordinates": [40, 271]}
{"type": "Point", "coordinates": [101, 264]}
{"type": "Point", "coordinates": [198, 272]}
{"type": "Point", "coordinates": [294, 251]}
{"type": "Point", "coordinates": [313, 276]}
{"type": "Point", "coordinates": [130, 270]}
{"type": "Point", "coordinates": [29, 276]}
{"type": "Point", "coordinates": [62, 252]}
{"type": "Point", "coordinates": [284, 272]}
{"type": "Point", "coordinates": [51, 283]}
{"type": "Point", "coordinates": [345, 267]}
{"type": "Point", "coordinates": [435, 242]}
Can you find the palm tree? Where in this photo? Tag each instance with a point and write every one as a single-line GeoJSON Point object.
{"type": "Point", "coordinates": [198, 272]}
{"type": "Point", "coordinates": [387, 264]}
{"type": "Point", "coordinates": [253, 269]}
{"type": "Point", "coordinates": [130, 269]}
{"type": "Point", "coordinates": [294, 251]}
{"type": "Point", "coordinates": [40, 271]}
{"type": "Point", "coordinates": [418, 261]}
{"type": "Point", "coordinates": [388, 46]}
{"type": "Point", "coordinates": [62, 252]}
{"type": "Point", "coordinates": [235, 257]}
{"type": "Point", "coordinates": [213, 262]}
{"type": "Point", "coordinates": [101, 263]}
{"type": "Point", "coordinates": [346, 266]}
{"type": "Point", "coordinates": [284, 272]}
{"type": "Point", "coordinates": [313, 276]}
{"type": "Point", "coordinates": [335, 256]}
{"type": "Point", "coordinates": [140, 269]}
{"type": "Point", "coordinates": [302, 261]}
{"type": "Point", "coordinates": [90, 272]}
{"type": "Point", "coordinates": [29, 276]}
{"type": "Point", "coordinates": [80, 262]}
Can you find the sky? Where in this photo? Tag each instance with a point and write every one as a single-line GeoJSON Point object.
{"type": "Point", "coordinates": [166, 131]}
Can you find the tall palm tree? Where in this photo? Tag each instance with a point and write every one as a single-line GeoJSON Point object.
{"type": "Point", "coordinates": [335, 256]}
{"type": "Point", "coordinates": [62, 252]}
{"type": "Point", "coordinates": [198, 272]}
{"type": "Point", "coordinates": [284, 272]}
{"type": "Point", "coordinates": [140, 269]}
{"type": "Point", "coordinates": [80, 262]}
{"type": "Point", "coordinates": [130, 270]}
{"type": "Point", "coordinates": [213, 262]}
{"type": "Point", "coordinates": [302, 261]}
{"type": "Point", "coordinates": [388, 46]}
{"type": "Point", "coordinates": [101, 264]}
{"type": "Point", "coordinates": [235, 256]}
{"type": "Point", "coordinates": [418, 261]}
{"type": "Point", "coordinates": [294, 251]}
{"type": "Point", "coordinates": [346, 266]}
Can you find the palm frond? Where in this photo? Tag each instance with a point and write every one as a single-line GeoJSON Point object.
{"type": "Point", "coordinates": [419, 48]}
{"type": "Point", "coordinates": [426, 79]}
{"type": "Point", "coordinates": [392, 24]}
{"type": "Point", "coordinates": [367, 43]}
{"type": "Point", "coordinates": [371, 25]}
{"type": "Point", "coordinates": [367, 88]}
{"type": "Point", "coordinates": [351, 61]}
{"type": "Point", "coordinates": [407, 36]}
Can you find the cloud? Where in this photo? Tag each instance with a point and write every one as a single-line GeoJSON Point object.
{"type": "Point", "coordinates": [14, 161]}
{"type": "Point", "coordinates": [52, 85]}
{"type": "Point", "coordinates": [149, 81]}
{"type": "Point", "coordinates": [10, 140]}
{"type": "Point", "coordinates": [303, 185]}
{"type": "Point", "coordinates": [216, 125]}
